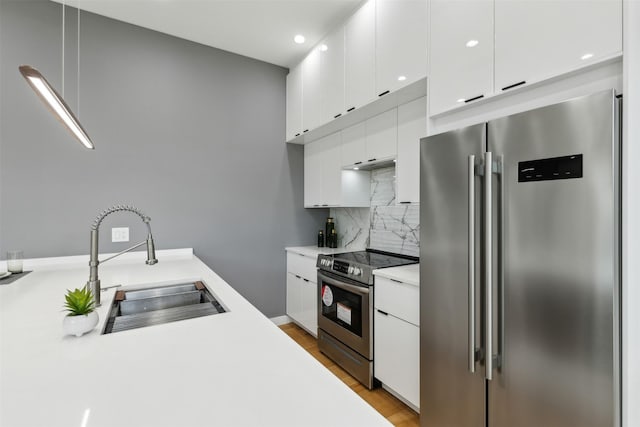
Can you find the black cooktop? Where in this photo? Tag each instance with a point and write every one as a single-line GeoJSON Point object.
{"type": "Point", "coordinates": [376, 259]}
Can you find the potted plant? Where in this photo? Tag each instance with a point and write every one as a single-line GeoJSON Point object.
{"type": "Point", "coordinates": [81, 317]}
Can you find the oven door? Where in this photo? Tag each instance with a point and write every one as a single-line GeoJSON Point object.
{"type": "Point", "coordinates": [345, 311]}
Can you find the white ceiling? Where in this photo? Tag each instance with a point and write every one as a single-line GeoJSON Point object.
{"type": "Point", "coordinates": [261, 29]}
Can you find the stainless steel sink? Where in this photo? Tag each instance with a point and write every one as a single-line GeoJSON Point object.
{"type": "Point", "coordinates": [160, 304]}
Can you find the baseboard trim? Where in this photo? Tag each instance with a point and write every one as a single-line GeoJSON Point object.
{"type": "Point", "coordinates": [281, 320]}
{"type": "Point", "coordinates": [402, 399]}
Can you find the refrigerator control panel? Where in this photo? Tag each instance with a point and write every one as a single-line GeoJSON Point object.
{"type": "Point", "coordinates": [565, 167]}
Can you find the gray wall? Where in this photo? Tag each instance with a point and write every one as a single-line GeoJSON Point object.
{"type": "Point", "coordinates": [193, 136]}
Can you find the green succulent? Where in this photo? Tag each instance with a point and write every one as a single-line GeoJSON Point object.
{"type": "Point", "coordinates": [79, 302]}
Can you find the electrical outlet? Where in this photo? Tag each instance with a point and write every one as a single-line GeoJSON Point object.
{"type": "Point", "coordinates": [120, 234]}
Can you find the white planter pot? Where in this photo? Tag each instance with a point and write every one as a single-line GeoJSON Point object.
{"type": "Point", "coordinates": [78, 325]}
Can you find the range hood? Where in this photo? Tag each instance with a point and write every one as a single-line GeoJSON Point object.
{"type": "Point", "coordinates": [373, 164]}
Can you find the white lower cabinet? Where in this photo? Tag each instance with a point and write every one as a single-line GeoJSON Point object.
{"type": "Point", "coordinates": [302, 293]}
{"type": "Point", "coordinates": [294, 297]}
{"type": "Point", "coordinates": [397, 356]}
{"type": "Point", "coordinates": [397, 338]}
{"type": "Point", "coordinates": [309, 314]}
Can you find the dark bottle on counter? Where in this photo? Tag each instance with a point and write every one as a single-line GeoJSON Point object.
{"type": "Point", "coordinates": [333, 240]}
{"type": "Point", "coordinates": [327, 230]}
{"type": "Point", "coordinates": [320, 239]}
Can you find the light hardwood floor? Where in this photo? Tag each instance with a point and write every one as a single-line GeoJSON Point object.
{"type": "Point", "coordinates": [391, 408]}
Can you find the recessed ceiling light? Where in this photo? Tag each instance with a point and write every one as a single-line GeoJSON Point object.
{"type": "Point", "coordinates": [402, 78]}
{"type": "Point", "coordinates": [460, 100]}
{"type": "Point", "coordinates": [323, 47]}
{"type": "Point", "coordinates": [472, 43]}
{"type": "Point", "coordinates": [586, 56]}
{"type": "Point", "coordinates": [355, 169]}
{"type": "Point", "coordinates": [299, 39]}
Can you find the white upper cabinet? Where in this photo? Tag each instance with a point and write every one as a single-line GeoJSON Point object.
{"type": "Point", "coordinates": [294, 102]}
{"type": "Point", "coordinates": [354, 146]}
{"type": "Point", "coordinates": [401, 43]}
{"type": "Point", "coordinates": [359, 57]}
{"type": "Point", "coordinates": [332, 170]}
{"type": "Point", "coordinates": [412, 125]}
{"type": "Point", "coordinates": [381, 136]}
{"type": "Point", "coordinates": [332, 74]}
{"type": "Point", "coordinates": [461, 53]}
{"type": "Point", "coordinates": [313, 166]}
{"type": "Point", "coordinates": [322, 171]}
{"type": "Point", "coordinates": [325, 183]}
{"type": "Point", "coordinates": [312, 91]}
{"type": "Point", "coordinates": [539, 39]}
{"type": "Point", "coordinates": [372, 140]}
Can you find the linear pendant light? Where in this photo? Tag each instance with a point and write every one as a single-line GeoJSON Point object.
{"type": "Point", "coordinates": [51, 98]}
{"type": "Point", "coordinates": [56, 104]}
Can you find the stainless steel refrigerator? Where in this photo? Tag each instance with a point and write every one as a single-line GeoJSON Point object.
{"type": "Point", "coordinates": [520, 270]}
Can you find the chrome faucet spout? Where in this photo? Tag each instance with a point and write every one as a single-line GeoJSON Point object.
{"type": "Point", "coordinates": [94, 282]}
{"type": "Point", "coordinates": [151, 251]}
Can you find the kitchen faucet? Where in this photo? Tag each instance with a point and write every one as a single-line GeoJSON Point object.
{"type": "Point", "coordinates": [94, 283]}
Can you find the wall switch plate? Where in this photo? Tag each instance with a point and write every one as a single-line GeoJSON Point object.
{"type": "Point", "coordinates": [120, 234]}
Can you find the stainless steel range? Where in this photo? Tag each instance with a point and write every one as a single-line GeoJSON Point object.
{"type": "Point", "coordinates": [345, 307]}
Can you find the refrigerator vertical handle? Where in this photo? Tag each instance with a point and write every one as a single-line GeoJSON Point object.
{"type": "Point", "coordinates": [488, 246]}
{"type": "Point", "coordinates": [472, 266]}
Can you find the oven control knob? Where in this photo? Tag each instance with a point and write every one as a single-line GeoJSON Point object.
{"type": "Point", "coordinates": [357, 271]}
{"type": "Point", "coordinates": [351, 269]}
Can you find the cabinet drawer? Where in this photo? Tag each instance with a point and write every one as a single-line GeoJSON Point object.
{"type": "Point", "coordinates": [399, 299]}
{"type": "Point", "coordinates": [303, 266]}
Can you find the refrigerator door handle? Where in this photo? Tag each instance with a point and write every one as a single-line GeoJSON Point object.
{"type": "Point", "coordinates": [501, 262]}
{"type": "Point", "coordinates": [488, 246]}
{"type": "Point", "coordinates": [472, 266]}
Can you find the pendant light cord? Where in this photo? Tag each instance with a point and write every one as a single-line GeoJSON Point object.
{"type": "Point", "coordinates": [63, 28]}
{"type": "Point", "coordinates": [78, 72]}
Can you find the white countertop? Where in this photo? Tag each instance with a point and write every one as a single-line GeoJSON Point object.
{"type": "Point", "coordinates": [314, 251]}
{"type": "Point", "coordinates": [409, 274]}
{"type": "Point", "coordinates": [230, 369]}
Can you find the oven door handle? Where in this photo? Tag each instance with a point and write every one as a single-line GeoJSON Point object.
{"type": "Point", "coordinates": [360, 290]}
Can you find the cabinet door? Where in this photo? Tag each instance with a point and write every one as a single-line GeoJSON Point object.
{"type": "Point", "coordinates": [381, 135]}
{"type": "Point", "coordinates": [539, 39]}
{"type": "Point", "coordinates": [397, 350]}
{"type": "Point", "coordinates": [354, 148]}
{"type": "Point", "coordinates": [412, 125]}
{"type": "Point", "coordinates": [312, 94]}
{"type": "Point", "coordinates": [401, 43]}
{"type": "Point", "coordinates": [331, 170]}
{"type": "Point", "coordinates": [313, 174]}
{"type": "Point", "coordinates": [294, 297]}
{"type": "Point", "coordinates": [332, 75]}
{"type": "Point", "coordinates": [309, 298]}
{"type": "Point", "coordinates": [359, 61]}
{"type": "Point", "coordinates": [461, 52]}
{"type": "Point", "coordinates": [294, 102]}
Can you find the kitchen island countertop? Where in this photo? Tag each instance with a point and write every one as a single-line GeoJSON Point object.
{"type": "Point", "coordinates": [230, 369]}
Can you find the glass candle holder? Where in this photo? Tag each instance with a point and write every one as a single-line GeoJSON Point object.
{"type": "Point", "coordinates": [14, 261]}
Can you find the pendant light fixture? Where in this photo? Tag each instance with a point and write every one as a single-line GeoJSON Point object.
{"type": "Point", "coordinates": [52, 99]}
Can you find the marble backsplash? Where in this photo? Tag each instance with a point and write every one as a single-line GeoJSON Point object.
{"type": "Point", "coordinates": [385, 225]}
